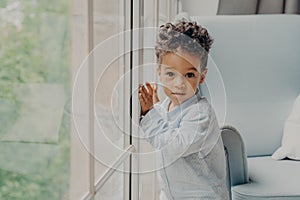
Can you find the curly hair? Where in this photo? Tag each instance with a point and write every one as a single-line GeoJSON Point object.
{"type": "Point", "coordinates": [187, 36]}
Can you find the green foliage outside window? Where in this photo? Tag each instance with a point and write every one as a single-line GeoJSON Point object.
{"type": "Point", "coordinates": [34, 49]}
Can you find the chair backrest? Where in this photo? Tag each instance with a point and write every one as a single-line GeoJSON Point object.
{"type": "Point", "coordinates": [258, 59]}
{"type": "Point", "coordinates": [237, 167]}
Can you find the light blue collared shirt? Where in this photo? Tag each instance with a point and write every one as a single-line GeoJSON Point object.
{"type": "Point", "coordinates": [192, 155]}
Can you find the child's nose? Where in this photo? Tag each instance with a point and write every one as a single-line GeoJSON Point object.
{"type": "Point", "coordinates": [180, 82]}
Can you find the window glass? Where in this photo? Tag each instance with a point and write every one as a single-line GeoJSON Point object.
{"type": "Point", "coordinates": [34, 99]}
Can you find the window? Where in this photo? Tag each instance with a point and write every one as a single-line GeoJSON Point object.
{"type": "Point", "coordinates": [47, 149]}
{"type": "Point", "coordinates": [34, 99]}
{"type": "Point", "coordinates": [115, 67]}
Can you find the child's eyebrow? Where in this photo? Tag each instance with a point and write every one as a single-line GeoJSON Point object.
{"type": "Point", "coordinates": [192, 68]}
{"type": "Point", "coordinates": [168, 67]}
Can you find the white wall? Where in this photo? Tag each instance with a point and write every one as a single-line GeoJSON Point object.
{"type": "Point", "coordinates": [200, 7]}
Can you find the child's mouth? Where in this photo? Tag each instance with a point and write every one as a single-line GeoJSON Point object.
{"type": "Point", "coordinates": [178, 93]}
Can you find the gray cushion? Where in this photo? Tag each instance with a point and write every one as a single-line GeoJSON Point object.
{"type": "Point", "coordinates": [270, 179]}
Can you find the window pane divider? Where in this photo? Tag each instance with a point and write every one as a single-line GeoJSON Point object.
{"type": "Point", "coordinates": [109, 172]}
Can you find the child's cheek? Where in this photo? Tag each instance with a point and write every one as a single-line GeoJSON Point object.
{"type": "Point", "coordinates": [167, 84]}
{"type": "Point", "coordinates": [167, 90]}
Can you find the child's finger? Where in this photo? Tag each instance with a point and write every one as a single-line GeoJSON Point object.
{"type": "Point", "coordinates": [145, 97]}
{"type": "Point", "coordinates": [154, 86]}
{"type": "Point", "coordinates": [154, 93]}
{"type": "Point", "coordinates": [143, 89]}
{"type": "Point", "coordinates": [149, 87]}
{"type": "Point", "coordinates": [142, 101]}
{"type": "Point", "coordinates": [155, 98]}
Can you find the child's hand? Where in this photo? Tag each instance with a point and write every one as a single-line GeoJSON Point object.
{"type": "Point", "coordinates": [155, 96]}
{"type": "Point", "coordinates": [148, 97]}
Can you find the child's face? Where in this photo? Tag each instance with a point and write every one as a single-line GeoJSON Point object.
{"type": "Point", "coordinates": [180, 75]}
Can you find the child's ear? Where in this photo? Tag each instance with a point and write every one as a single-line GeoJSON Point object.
{"type": "Point", "coordinates": [203, 75]}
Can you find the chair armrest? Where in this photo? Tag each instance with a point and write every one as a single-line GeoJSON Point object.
{"type": "Point", "coordinates": [237, 171]}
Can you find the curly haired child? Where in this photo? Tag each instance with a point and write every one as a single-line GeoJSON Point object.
{"type": "Point", "coordinates": [184, 127]}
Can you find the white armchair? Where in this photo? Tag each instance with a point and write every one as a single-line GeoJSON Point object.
{"type": "Point", "coordinates": [258, 57]}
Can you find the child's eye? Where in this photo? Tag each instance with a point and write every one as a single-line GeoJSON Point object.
{"type": "Point", "coordinates": [170, 74]}
{"type": "Point", "coordinates": [190, 75]}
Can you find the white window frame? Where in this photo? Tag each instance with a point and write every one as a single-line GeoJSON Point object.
{"type": "Point", "coordinates": [133, 12]}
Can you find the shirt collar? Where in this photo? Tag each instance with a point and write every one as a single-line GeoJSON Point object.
{"type": "Point", "coordinates": [192, 100]}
